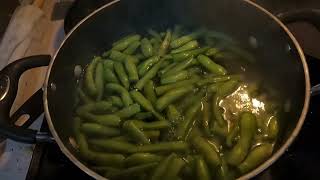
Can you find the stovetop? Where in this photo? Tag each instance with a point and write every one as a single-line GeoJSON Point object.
{"type": "Point", "coordinates": [301, 161]}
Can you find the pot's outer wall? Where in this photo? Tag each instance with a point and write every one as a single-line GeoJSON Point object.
{"type": "Point", "coordinates": [276, 66]}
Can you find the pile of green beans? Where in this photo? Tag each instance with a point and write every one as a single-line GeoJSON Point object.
{"type": "Point", "coordinates": [150, 109]}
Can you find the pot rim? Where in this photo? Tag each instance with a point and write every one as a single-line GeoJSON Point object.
{"type": "Point", "coordinates": [249, 175]}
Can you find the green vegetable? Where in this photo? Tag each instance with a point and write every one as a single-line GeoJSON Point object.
{"type": "Point", "coordinates": [202, 169]}
{"type": "Point", "coordinates": [144, 67]}
{"type": "Point", "coordinates": [131, 69]}
{"type": "Point", "coordinates": [133, 171]}
{"type": "Point", "coordinates": [99, 130]}
{"type": "Point", "coordinates": [83, 97]}
{"type": "Point", "coordinates": [135, 133]}
{"type": "Point", "coordinates": [211, 66]}
{"type": "Point", "coordinates": [110, 76]}
{"type": "Point", "coordinates": [173, 146]}
{"type": "Point", "coordinates": [116, 101]}
{"type": "Point", "coordinates": [248, 127]}
{"type": "Point", "coordinates": [155, 125]}
{"type": "Point", "coordinates": [173, 114]}
{"type": "Point", "coordinates": [187, 54]}
{"type": "Point", "coordinates": [118, 56]}
{"type": "Point", "coordinates": [174, 168]}
{"type": "Point", "coordinates": [149, 75]}
{"type": "Point", "coordinates": [258, 155]}
{"type": "Point", "coordinates": [143, 115]}
{"type": "Point", "coordinates": [149, 91]}
{"type": "Point", "coordinates": [182, 75]}
{"type": "Point", "coordinates": [113, 145]}
{"type": "Point", "coordinates": [163, 89]}
{"type": "Point", "coordinates": [132, 48]}
{"type": "Point", "coordinates": [128, 111]}
{"type": "Point", "coordinates": [125, 96]}
{"type": "Point", "coordinates": [146, 47]}
{"type": "Point", "coordinates": [172, 96]}
{"type": "Point", "coordinates": [99, 80]}
{"type": "Point", "coordinates": [161, 169]}
{"type": "Point", "coordinates": [167, 68]}
{"type": "Point", "coordinates": [89, 81]}
{"type": "Point", "coordinates": [165, 43]}
{"type": "Point", "coordinates": [154, 34]}
{"type": "Point", "coordinates": [125, 42]}
{"type": "Point", "coordinates": [184, 39]}
{"type": "Point", "coordinates": [106, 120]}
{"type": "Point", "coordinates": [206, 118]}
{"type": "Point", "coordinates": [122, 75]}
{"type": "Point", "coordinates": [188, 46]}
{"type": "Point", "coordinates": [216, 79]}
{"type": "Point", "coordinates": [180, 67]}
{"type": "Point", "coordinates": [141, 158]}
{"type": "Point", "coordinates": [101, 107]}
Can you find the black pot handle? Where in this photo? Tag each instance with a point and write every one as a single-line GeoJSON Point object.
{"type": "Point", "coordinates": [9, 80]}
{"type": "Point", "coordinates": [311, 16]}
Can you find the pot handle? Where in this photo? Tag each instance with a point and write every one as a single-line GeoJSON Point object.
{"type": "Point", "coordinates": [9, 80]}
{"type": "Point", "coordinates": [311, 16]}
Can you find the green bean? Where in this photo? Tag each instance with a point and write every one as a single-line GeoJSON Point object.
{"type": "Point", "coordinates": [217, 112]}
{"type": "Point", "coordinates": [202, 169]}
{"type": "Point", "coordinates": [134, 171]}
{"type": "Point", "coordinates": [149, 92]}
{"type": "Point", "coordinates": [213, 88]}
{"type": "Point", "coordinates": [106, 53]}
{"type": "Point", "coordinates": [223, 172]}
{"type": "Point", "coordinates": [152, 134]}
{"type": "Point", "coordinates": [184, 39]}
{"type": "Point", "coordinates": [108, 63]}
{"type": "Point", "coordinates": [185, 103]}
{"type": "Point", "coordinates": [188, 46]}
{"type": "Point", "coordinates": [174, 168]}
{"type": "Point", "coordinates": [94, 129]}
{"type": "Point", "coordinates": [132, 48]}
{"type": "Point", "coordinates": [128, 111]}
{"type": "Point", "coordinates": [113, 145]}
{"type": "Point", "coordinates": [149, 75]}
{"type": "Point", "coordinates": [105, 169]}
{"type": "Point", "coordinates": [134, 132]}
{"type": "Point", "coordinates": [131, 69]}
{"type": "Point", "coordinates": [89, 81]}
{"type": "Point", "coordinates": [173, 146]}
{"type": "Point", "coordinates": [122, 75]}
{"type": "Point", "coordinates": [180, 67]}
{"type": "Point", "coordinates": [83, 97]}
{"type": "Point", "coordinates": [161, 169]}
{"type": "Point", "coordinates": [146, 47]}
{"type": "Point", "coordinates": [211, 157]}
{"type": "Point", "coordinates": [221, 130]}
{"type": "Point", "coordinates": [147, 64]}
{"type": "Point", "coordinates": [154, 34]}
{"type": "Point", "coordinates": [155, 125]}
{"type": "Point", "coordinates": [216, 79]}
{"type": "Point", "coordinates": [141, 158]}
{"type": "Point", "coordinates": [143, 115]}
{"type": "Point", "coordinates": [167, 68]}
{"type": "Point", "coordinates": [231, 137]}
{"type": "Point", "coordinates": [120, 138]}
{"type": "Point", "coordinates": [187, 54]}
{"type": "Point", "coordinates": [125, 42]}
{"type": "Point", "coordinates": [173, 114]}
{"type": "Point", "coordinates": [163, 89]}
{"type": "Point", "coordinates": [185, 126]}
{"type": "Point", "coordinates": [118, 56]}
{"type": "Point", "coordinates": [116, 101]}
{"type": "Point", "coordinates": [207, 63]}
{"type": "Point", "coordinates": [125, 96]}
{"type": "Point", "coordinates": [271, 127]}
{"type": "Point", "coordinates": [206, 118]}
{"type": "Point", "coordinates": [212, 51]}
{"type": "Point", "coordinates": [172, 96]}
{"type": "Point", "coordinates": [176, 32]}
{"type": "Point", "coordinates": [179, 76]}
{"type": "Point", "coordinates": [139, 56]}
{"type": "Point", "coordinates": [257, 156]}
{"type": "Point", "coordinates": [165, 43]}
{"type": "Point", "coordinates": [101, 106]}
{"type": "Point", "coordinates": [227, 88]}
{"type": "Point", "coordinates": [248, 126]}
{"type": "Point", "coordinates": [106, 120]}
{"type": "Point", "coordinates": [99, 80]}
{"type": "Point", "coordinates": [110, 76]}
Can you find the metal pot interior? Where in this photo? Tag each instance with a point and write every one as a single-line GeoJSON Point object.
{"type": "Point", "coordinates": [277, 66]}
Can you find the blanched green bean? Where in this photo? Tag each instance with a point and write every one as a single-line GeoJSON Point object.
{"type": "Point", "coordinates": [167, 68]}
{"type": "Point", "coordinates": [149, 75]}
{"type": "Point", "coordinates": [176, 32]}
{"type": "Point", "coordinates": [110, 76]}
{"type": "Point", "coordinates": [179, 76]}
{"type": "Point", "coordinates": [211, 66]}
{"type": "Point", "coordinates": [154, 34]}
{"type": "Point", "coordinates": [116, 101]}
{"type": "Point", "coordinates": [155, 125]}
{"type": "Point", "coordinates": [106, 120]}
{"type": "Point", "coordinates": [141, 158]}
{"type": "Point", "coordinates": [188, 46]}
{"type": "Point", "coordinates": [216, 79]}
{"type": "Point", "coordinates": [227, 88]}
{"type": "Point", "coordinates": [202, 169]}
{"type": "Point", "coordinates": [133, 171]}
{"type": "Point", "coordinates": [143, 115]}
{"type": "Point", "coordinates": [174, 168]}
{"type": "Point", "coordinates": [125, 96]}
{"type": "Point", "coordinates": [132, 48]}
{"type": "Point", "coordinates": [149, 91]}
{"type": "Point", "coordinates": [146, 47]}
{"type": "Point", "coordinates": [185, 126]}
{"type": "Point", "coordinates": [83, 97]}
{"type": "Point", "coordinates": [118, 56]}
{"type": "Point", "coordinates": [134, 132]}
{"type": "Point", "coordinates": [147, 64]}
{"type": "Point", "coordinates": [271, 127]}
{"type": "Point", "coordinates": [258, 155]}
{"type": "Point", "coordinates": [108, 63]}
{"type": "Point", "coordinates": [160, 170]}
{"type": "Point", "coordinates": [230, 139]}
{"type": "Point", "coordinates": [206, 118]}
{"type": "Point", "coordinates": [223, 171]}
{"type": "Point", "coordinates": [128, 111]}
{"type": "Point", "coordinates": [184, 39]}
{"type": "Point", "coordinates": [101, 106]}
{"type": "Point", "coordinates": [187, 102]}
{"type": "Point", "coordinates": [89, 81]}
{"type": "Point", "coordinates": [99, 80]}
{"type": "Point", "coordinates": [122, 75]}
{"type": "Point", "coordinates": [165, 43]}
{"type": "Point", "coordinates": [217, 111]}
{"type": "Point", "coordinates": [131, 69]}
{"type": "Point", "coordinates": [94, 129]}
{"type": "Point", "coordinates": [187, 54]}
{"type": "Point", "coordinates": [172, 96]}
{"type": "Point", "coordinates": [113, 145]}
{"type": "Point", "coordinates": [180, 67]}
{"type": "Point", "coordinates": [211, 157]}
{"type": "Point", "coordinates": [248, 127]}
{"type": "Point", "coordinates": [163, 89]}
{"type": "Point", "coordinates": [212, 51]}
{"type": "Point", "coordinates": [125, 42]}
{"type": "Point", "coordinates": [173, 146]}
{"type": "Point", "coordinates": [174, 116]}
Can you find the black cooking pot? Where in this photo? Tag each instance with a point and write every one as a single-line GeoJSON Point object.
{"type": "Point", "coordinates": [281, 63]}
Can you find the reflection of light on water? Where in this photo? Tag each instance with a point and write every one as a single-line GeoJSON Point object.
{"type": "Point", "coordinates": [240, 101]}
